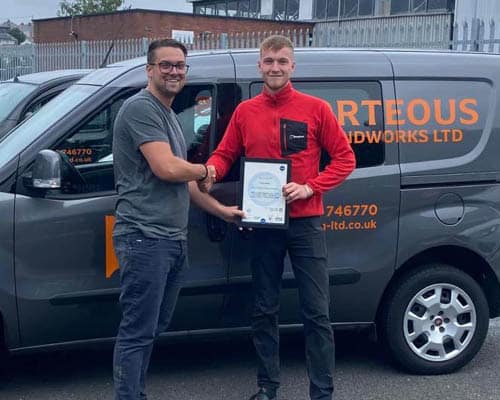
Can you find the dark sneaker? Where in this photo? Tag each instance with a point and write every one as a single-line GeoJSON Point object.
{"type": "Point", "coordinates": [262, 394]}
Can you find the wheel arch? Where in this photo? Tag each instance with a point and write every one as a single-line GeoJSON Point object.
{"type": "Point", "coordinates": [461, 258]}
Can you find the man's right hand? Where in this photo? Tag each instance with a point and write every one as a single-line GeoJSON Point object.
{"type": "Point", "coordinates": [206, 184]}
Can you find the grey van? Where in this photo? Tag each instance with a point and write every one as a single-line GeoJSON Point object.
{"type": "Point", "coordinates": [413, 234]}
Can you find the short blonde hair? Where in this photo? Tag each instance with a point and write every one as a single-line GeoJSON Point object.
{"type": "Point", "coordinates": [275, 43]}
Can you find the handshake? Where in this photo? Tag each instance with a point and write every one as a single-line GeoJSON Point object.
{"type": "Point", "coordinates": [205, 183]}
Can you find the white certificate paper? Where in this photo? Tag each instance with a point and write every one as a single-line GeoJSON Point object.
{"type": "Point", "coordinates": [262, 195]}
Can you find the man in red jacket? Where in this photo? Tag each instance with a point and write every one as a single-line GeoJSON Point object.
{"type": "Point", "coordinates": [282, 123]}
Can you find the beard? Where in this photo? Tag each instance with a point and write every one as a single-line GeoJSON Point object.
{"type": "Point", "coordinates": [169, 89]}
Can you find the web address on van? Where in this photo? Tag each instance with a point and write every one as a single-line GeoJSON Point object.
{"type": "Point", "coordinates": [350, 225]}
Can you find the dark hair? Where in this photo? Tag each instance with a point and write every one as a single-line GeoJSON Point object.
{"type": "Point", "coordinates": [163, 43]}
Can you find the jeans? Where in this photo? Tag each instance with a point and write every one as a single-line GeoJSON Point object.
{"type": "Point", "coordinates": [151, 276]}
{"type": "Point", "coordinates": [305, 242]}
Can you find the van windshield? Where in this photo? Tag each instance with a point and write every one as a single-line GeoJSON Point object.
{"type": "Point", "coordinates": [11, 94]}
{"type": "Point", "coordinates": [26, 133]}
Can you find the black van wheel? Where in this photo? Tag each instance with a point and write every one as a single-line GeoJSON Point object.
{"type": "Point", "coordinates": [435, 320]}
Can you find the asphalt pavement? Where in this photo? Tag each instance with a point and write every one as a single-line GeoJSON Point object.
{"type": "Point", "coordinates": [224, 369]}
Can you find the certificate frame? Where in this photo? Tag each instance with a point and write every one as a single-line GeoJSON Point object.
{"type": "Point", "coordinates": [261, 196]}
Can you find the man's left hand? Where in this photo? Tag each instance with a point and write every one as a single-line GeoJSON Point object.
{"type": "Point", "coordinates": [232, 214]}
{"type": "Point", "coordinates": [293, 191]}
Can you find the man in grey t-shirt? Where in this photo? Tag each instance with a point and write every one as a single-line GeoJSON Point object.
{"type": "Point", "coordinates": [154, 183]}
{"type": "Point", "coordinates": [155, 207]}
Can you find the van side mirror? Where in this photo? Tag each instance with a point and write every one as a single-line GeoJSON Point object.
{"type": "Point", "coordinates": [46, 172]}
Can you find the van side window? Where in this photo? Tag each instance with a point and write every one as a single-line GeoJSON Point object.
{"type": "Point", "coordinates": [194, 109]}
{"type": "Point", "coordinates": [36, 105]}
{"type": "Point", "coordinates": [441, 121]}
{"type": "Point", "coordinates": [358, 107]}
{"type": "Point", "coordinates": [89, 149]}
{"type": "Point", "coordinates": [228, 97]}
{"type": "Point", "coordinates": [201, 110]}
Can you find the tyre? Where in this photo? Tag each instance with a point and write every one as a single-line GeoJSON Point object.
{"type": "Point", "coordinates": [435, 320]}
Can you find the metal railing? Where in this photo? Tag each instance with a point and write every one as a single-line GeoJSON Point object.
{"type": "Point", "coordinates": [477, 35]}
{"type": "Point", "coordinates": [18, 60]}
{"type": "Point", "coordinates": [406, 31]}
{"type": "Point", "coordinates": [245, 40]}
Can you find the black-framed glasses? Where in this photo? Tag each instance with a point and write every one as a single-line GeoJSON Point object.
{"type": "Point", "coordinates": [166, 66]}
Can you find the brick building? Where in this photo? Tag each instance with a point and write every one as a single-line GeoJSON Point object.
{"type": "Point", "coordinates": [138, 23]}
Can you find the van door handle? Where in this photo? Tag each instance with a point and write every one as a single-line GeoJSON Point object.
{"type": "Point", "coordinates": [216, 228]}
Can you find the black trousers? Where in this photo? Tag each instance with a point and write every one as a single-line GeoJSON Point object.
{"type": "Point", "coordinates": [305, 242]}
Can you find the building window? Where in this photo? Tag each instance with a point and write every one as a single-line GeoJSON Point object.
{"type": "Point", "coordinates": [417, 6]}
{"type": "Point", "coordinates": [421, 6]}
{"type": "Point", "coordinates": [292, 10]}
{"type": "Point", "coordinates": [332, 8]}
{"type": "Point", "coordinates": [199, 9]}
{"type": "Point", "coordinates": [400, 6]}
{"type": "Point", "coordinates": [210, 9]}
{"type": "Point", "coordinates": [283, 9]}
{"type": "Point", "coordinates": [221, 9]}
{"type": "Point", "coordinates": [344, 8]}
{"type": "Point", "coordinates": [232, 8]}
{"type": "Point", "coordinates": [437, 5]}
{"type": "Point", "coordinates": [366, 7]}
{"type": "Point", "coordinates": [254, 9]}
{"type": "Point", "coordinates": [320, 9]}
{"type": "Point", "coordinates": [349, 8]}
{"type": "Point", "coordinates": [243, 8]}
{"type": "Point", "coordinates": [323, 9]}
{"type": "Point", "coordinates": [279, 10]}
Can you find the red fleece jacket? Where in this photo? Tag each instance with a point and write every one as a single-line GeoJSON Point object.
{"type": "Point", "coordinates": [289, 125]}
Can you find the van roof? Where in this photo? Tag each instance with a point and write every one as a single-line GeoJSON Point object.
{"type": "Point", "coordinates": [134, 62]}
{"type": "Point", "coordinates": [401, 59]}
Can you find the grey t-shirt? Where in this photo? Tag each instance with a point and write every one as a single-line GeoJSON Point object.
{"type": "Point", "coordinates": [147, 204]}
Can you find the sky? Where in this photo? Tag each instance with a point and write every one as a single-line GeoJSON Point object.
{"type": "Point", "coordinates": [24, 10]}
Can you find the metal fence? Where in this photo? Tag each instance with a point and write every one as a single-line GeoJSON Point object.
{"type": "Point", "coordinates": [86, 54]}
{"type": "Point", "coordinates": [417, 31]}
{"type": "Point", "coordinates": [18, 60]}
{"type": "Point", "coordinates": [406, 31]}
{"type": "Point", "coordinates": [477, 35]}
{"type": "Point", "coordinates": [245, 40]}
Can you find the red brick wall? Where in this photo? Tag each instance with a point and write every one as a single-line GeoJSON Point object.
{"type": "Point", "coordinates": [145, 23]}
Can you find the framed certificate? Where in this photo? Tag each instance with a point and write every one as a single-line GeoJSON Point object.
{"type": "Point", "coordinates": [262, 198]}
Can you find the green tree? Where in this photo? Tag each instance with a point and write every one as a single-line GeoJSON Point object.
{"type": "Point", "coordinates": [18, 34]}
{"type": "Point", "coordinates": [82, 7]}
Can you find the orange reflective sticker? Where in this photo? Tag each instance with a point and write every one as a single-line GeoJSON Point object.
{"type": "Point", "coordinates": [111, 260]}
